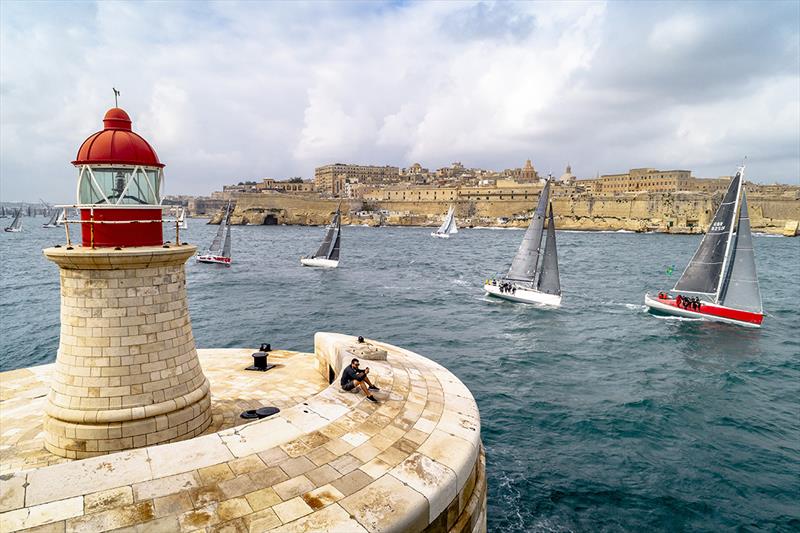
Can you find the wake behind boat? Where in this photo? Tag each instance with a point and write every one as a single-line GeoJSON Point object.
{"type": "Point", "coordinates": [16, 224]}
{"type": "Point", "coordinates": [448, 227]}
{"type": "Point", "coordinates": [327, 255]}
{"type": "Point", "coordinates": [215, 254]}
{"type": "Point", "coordinates": [720, 283]}
{"type": "Point", "coordinates": [531, 280]}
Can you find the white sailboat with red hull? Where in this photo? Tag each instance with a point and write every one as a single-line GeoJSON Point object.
{"type": "Point", "coordinates": [533, 276]}
{"type": "Point", "coordinates": [720, 283]}
{"type": "Point", "coordinates": [220, 255]}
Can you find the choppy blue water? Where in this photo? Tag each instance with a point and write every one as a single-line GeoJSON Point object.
{"type": "Point", "coordinates": [597, 416]}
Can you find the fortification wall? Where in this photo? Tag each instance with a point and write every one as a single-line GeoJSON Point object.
{"type": "Point", "coordinates": [682, 212]}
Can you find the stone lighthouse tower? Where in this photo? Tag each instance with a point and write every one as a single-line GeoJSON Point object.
{"type": "Point", "coordinates": [127, 373]}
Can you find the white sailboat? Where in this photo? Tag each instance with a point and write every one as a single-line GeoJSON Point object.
{"type": "Point", "coordinates": [220, 254]}
{"type": "Point", "coordinates": [16, 224]}
{"type": "Point", "coordinates": [448, 227]}
{"type": "Point", "coordinates": [720, 282]}
{"type": "Point", "coordinates": [533, 276]}
{"type": "Point", "coordinates": [327, 255]}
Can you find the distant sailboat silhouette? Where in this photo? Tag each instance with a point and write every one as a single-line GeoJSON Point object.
{"type": "Point", "coordinates": [16, 224]}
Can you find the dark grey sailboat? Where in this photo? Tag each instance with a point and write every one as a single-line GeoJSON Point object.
{"type": "Point", "coordinates": [53, 222]}
{"type": "Point", "coordinates": [16, 224]}
{"type": "Point", "coordinates": [720, 282]}
{"type": "Point", "coordinates": [219, 251]}
{"type": "Point", "coordinates": [533, 276]}
{"type": "Point", "coordinates": [327, 255]}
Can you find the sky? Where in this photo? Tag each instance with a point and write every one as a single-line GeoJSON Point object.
{"type": "Point", "coordinates": [235, 91]}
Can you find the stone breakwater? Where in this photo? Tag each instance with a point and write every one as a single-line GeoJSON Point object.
{"type": "Point", "coordinates": [329, 461]}
{"type": "Point", "coordinates": [683, 212]}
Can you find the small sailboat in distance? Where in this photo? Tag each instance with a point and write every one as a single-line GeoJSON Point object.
{"type": "Point", "coordinates": [448, 227]}
{"type": "Point", "coordinates": [327, 255]}
{"type": "Point", "coordinates": [533, 276]}
{"type": "Point", "coordinates": [720, 282]}
{"type": "Point", "coordinates": [16, 224]}
{"type": "Point", "coordinates": [54, 219]}
{"type": "Point", "coordinates": [219, 251]}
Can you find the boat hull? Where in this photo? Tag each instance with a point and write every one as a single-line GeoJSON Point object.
{"type": "Point", "coordinates": [12, 230]}
{"type": "Point", "coordinates": [440, 235]}
{"type": "Point", "coordinates": [318, 262]}
{"type": "Point", "coordinates": [216, 259]}
{"type": "Point", "coordinates": [524, 295]}
{"type": "Point", "coordinates": [707, 311]}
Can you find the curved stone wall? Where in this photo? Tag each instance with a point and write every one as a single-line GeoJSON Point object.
{"type": "Point", "coordinates": [334, 462]}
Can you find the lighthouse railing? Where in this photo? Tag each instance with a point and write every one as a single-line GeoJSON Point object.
{"type": "Point", "coordinates": [178, 212]}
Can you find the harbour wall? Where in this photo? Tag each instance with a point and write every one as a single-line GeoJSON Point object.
{"type": "Point", "coordinates": [681, 212]}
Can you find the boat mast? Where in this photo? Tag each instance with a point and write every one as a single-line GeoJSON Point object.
{"type": "Point", "coordinates": [734, 225]}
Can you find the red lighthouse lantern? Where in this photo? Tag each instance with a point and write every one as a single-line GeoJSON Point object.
{"type": "Point", "coordinates": [119, 186]}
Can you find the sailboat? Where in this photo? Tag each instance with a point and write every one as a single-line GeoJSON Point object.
{"type": "Point", "coordinates": [533, 276]}
{"type": "Point", "coordinates": [16, 224]}
{"type": "Point", "coordinates": [54, 220]}
{"type": "Point", "coordinates": [327, 255]}
{"type": "Point", "coordinates": [448, 227]}
{"type": "Point", "coordinates": [720, 283]}
{"type": "Point", "coordinates": [215, 253]}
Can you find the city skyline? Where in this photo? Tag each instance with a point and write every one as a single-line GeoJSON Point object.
{"type": "Point", "coordinates": [227, 91]}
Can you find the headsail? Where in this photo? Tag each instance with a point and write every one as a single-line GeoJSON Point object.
{"type": "Point", "coordinates": [216, 244]}
{"type": "Point", "coordinates": [449, 224]}
{"type": "Point", "coordinates": [334, 256]}
{"type": "Point", "coordinates": [325, 248]}
{"type": "Point", "coordinates": [226, 248]}
{"type": "Point", "coordinates": [523, 267]}
{"type": "Point", "coordinates": [704, 272]}
{"type": "Point", "coordinates": [452, 228]}
{"type": "Point", "coordinates": [548, 277]}
{"type": "Point", "coordinates": [740, 290]}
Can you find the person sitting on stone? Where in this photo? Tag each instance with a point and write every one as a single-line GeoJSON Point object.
{"type": "Point", "coordinates": [353, 377]}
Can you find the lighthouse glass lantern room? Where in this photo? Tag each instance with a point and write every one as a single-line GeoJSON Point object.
{"type": "Point", "coordinates": [119, 186]}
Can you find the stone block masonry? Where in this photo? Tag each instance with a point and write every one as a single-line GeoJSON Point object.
{"type": "Point", "coordinates": [127, 373]}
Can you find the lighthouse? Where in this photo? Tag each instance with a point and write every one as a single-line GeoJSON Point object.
{"type": "Point", "coordinates": [127, 372]}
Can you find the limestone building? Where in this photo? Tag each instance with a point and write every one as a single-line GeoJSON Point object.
{"type": "Point", "coordinates": [330, 179]}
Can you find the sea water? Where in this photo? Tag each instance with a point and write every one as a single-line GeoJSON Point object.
{"type": "Point", "coordinates": [595, 416]}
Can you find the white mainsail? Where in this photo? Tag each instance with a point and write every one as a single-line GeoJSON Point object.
{"type": "Point", "coordinates": [449, 226]}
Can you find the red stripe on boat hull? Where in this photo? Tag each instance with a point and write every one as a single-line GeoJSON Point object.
{"type": "Point", "coordinates": [716, 311]}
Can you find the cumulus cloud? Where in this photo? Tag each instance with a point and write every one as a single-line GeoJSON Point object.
{"type": "Point", "coordinates": [229, 91]}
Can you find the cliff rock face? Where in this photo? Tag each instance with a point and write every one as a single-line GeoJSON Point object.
{"type": "Point", "coordinates": [682, 212]}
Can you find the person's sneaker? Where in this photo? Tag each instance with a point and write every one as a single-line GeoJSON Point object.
{"type": "Point", "coordinates": [372, 398]}
{"type": "Point", "coordinates": [373, 387]}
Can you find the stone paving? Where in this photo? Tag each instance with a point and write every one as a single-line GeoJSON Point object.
{"type": "Point", "coordinates": [23, 397]}
{"type": "Point", "coordinates": [330, 461]}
